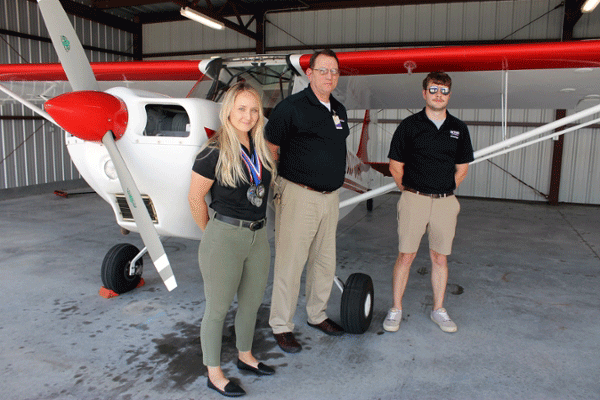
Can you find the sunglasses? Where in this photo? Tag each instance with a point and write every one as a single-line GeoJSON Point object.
{"type": "Point", "coordinates": [324, 71]}
{"type": "Point", "coordinates": [444, 90]}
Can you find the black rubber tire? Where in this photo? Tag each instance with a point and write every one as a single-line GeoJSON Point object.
{"type": "Point", "coordinates": [356, 309]}
{"type": "Point", "coordinates": [115, 268]}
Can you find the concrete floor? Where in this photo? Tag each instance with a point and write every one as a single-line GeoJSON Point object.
{"type": "Point", "coordinates": [523, 290]}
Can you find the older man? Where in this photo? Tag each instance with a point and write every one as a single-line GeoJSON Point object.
{"type": "Point", "coordinates": [308, 130]}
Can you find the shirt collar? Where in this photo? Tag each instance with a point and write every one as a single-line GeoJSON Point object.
{"type": "Point", "coordinates": [423, 116]}
{"type": "Point", "coordinates": [312, 97]}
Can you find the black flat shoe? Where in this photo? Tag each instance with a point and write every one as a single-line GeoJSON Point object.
{"type": "Point", "coordinates": [262, 369]}
{"type": "Point", "coordinates": [230, 390]}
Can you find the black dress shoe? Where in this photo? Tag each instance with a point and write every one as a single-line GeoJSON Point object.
{"type": "Point", "coordinates": [230, 390]}
{"type": "Point", "coordinates": [329, 327]}
{"type": "Point", "coordinates": [262, 369]}
{"type": "Point", "coordinates": [287, 342]}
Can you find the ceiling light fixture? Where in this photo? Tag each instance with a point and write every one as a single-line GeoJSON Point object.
{"type": "Point", "coordinates": [203, 19]}
{"type": "Point", "coordinates": [589, 6]}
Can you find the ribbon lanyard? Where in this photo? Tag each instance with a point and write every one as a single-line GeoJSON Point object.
{"type": "Point", "coordinates": [254, 166]}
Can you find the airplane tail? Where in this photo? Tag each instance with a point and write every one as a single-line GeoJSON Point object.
{"type": "Point", "coordinates": [382, 168]}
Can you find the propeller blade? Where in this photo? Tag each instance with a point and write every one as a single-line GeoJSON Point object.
{"type": "Point", "coordinates": [140, 214]}
{"type": "Point", "coordinates": [67, 46]}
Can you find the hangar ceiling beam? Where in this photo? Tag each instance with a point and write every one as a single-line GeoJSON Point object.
{"type": "Point", "coordinates": [219, 16]}
{"type": "Point", "coordinates": [107, 4]}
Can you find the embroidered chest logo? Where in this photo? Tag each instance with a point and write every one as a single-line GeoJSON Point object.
{"type": "Point", "coordinates": [454, 134]}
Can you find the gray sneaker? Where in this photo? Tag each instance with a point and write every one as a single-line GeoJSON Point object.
{"type": "Point", "coordinates": [440, 317]}
{"type": "Point", "coordinates": [393, 319]}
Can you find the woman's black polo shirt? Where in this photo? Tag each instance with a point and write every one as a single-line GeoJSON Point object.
{"type": "Point", "coordinates": [312, 150]}
{"type": "Point", "coordinates": [232, 202]}
{"type": "Point", "coordinates": [430, 155]}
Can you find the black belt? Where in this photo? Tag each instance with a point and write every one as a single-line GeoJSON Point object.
{"type": "Point", "coordinates": [432, 195]}
{"type": "Point", "coordinates": [314, 190]}
{"type": "Point", "coordinates": [252, 225]}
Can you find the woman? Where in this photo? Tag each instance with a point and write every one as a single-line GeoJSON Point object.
{"type": "Point", "coordinates": [236, 166]}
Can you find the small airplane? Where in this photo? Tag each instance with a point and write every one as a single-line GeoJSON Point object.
{"type": "Point", "coordinates": [136, 147]}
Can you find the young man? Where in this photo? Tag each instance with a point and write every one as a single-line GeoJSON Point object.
{"type": "Point", "coordinates": [429, 156]}
{"type": "Point", "coordinates": [309, 129]}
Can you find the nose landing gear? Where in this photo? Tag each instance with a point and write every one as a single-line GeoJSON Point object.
{"type": "Point", "coordinates": [117, 273]}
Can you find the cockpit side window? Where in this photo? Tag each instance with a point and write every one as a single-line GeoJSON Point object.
{"type": "Point", "coordinates": [166, 120]}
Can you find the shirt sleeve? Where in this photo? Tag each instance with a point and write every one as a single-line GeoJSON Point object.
{"type": "Point", "coordinates": [397, 144]}
{"type": "Point", "coordinates": [206, 162]}
{"type": "Point", "coordinates": [279, 124]}
{"type": "Point", "coordinates": [464, 153]}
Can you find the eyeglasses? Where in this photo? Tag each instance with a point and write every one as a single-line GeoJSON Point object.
{"type": "Point", "coordinates": [324, 71]}
{"type": "Point", "coordinates": [444, 90]}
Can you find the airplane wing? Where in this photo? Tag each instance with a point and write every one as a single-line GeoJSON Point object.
{"type": "Point", "coordinates": [176, 70]}
{"type": "Point", "coordinates": [39, 82]}
{"type": "Point", "coordinates": [531, 75]}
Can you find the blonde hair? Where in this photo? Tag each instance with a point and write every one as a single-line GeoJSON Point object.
{"type": "Point", "coordinates": [230, 166]}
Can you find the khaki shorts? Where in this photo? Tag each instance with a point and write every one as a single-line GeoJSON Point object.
{"type": "Point", "coordinates": [418, 213]}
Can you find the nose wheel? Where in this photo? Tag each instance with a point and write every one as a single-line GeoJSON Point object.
{"type": "Point", "coordinates": [117, 274]}
{"type": "Point", "coordinates": [356, 311]}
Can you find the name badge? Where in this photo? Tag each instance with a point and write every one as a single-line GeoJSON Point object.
{"type": "Point", "coordinates": [337, 122]}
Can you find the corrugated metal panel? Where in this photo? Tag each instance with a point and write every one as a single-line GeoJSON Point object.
{"type": "Point", "coordinates": [32, 151]}
{"type": "Point", "coordinates": [188, 36]}
{"type": "Point", "coordinates": [581, 167]}
{"type": "Point", "coordinates": [417, 23]}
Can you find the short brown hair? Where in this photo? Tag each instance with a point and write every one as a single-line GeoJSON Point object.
{"type": "Point", "coordinates": [325, 52]}
{"type": "Point", "coordinates": [439, 77]}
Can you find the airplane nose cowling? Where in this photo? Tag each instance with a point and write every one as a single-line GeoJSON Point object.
{"type": "Point", "coordinates": [89, 114]}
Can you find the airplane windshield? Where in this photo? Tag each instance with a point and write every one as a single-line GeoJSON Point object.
{"type": "Point", "coordinates": [270, 75]}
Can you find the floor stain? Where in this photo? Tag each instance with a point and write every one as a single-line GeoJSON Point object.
{"type": "Point", "coordinates": [181, 350]}
{"type": "Point", "coordinates": [455, 289]}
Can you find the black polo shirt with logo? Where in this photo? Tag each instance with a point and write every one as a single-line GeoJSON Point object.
{"type": "Point", "coordinates": [312, 149]}
{"type": "Point", "coordinates": [430, 154]}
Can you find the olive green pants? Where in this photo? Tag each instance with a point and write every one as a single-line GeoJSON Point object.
{"type": "Point", "coordinates": [233, 260]}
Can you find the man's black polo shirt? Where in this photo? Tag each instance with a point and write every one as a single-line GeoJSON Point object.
{"type": "Point", "coordinates": [430, 155]}
{"type": "Point", "coordinates": [312, 150]}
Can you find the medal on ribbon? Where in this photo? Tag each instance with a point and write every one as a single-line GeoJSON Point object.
{"type": "Point", "coordinates": [256, 191]}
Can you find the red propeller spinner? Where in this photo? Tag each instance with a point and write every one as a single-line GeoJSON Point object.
{"type": "Point", "coordinates": [89, 114]}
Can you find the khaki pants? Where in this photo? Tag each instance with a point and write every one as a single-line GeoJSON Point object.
{"type": "Point", "coordinates": [305, 230]}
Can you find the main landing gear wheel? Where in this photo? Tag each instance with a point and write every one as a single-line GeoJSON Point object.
{"type": "Point", "coordinates": [115, 268]}
{"type": "Point", "coordinates": [356, 310]}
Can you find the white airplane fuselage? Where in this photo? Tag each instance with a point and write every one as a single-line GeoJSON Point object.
{"type": "Point", "coordinates": [160, 163]}
{"type": "Point", "coordinates": [159, 147]}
